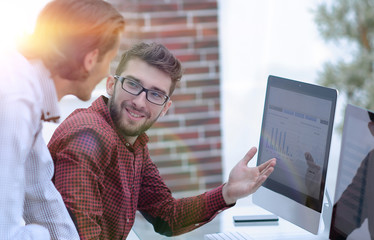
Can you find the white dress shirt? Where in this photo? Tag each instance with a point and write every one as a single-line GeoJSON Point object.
{"type": "Point", "coordinates": [28, 95]}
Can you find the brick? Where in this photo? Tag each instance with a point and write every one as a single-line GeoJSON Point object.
{"type": "Point", "coordinates": [212, 56]}
{"type": "Point", "coordinates": [202, 121]}
{"type": "Point", "coordinates": [161, 123]}
{"type": "Point", "coordinates": [217, 106]}
{"type": "Point", "coordinates": [210, 32]}
{"type": "Point", "coordinates": [168, 163]}
{"type": "Point", "coordinates": [202, 83]}
{"type": "Point", "coordinates": [183, 97]}
{"type": "Point", "coordinates": [188, 57]}
{"type": "Point", "coordinates": [159, 151]}
{"type": "Point", "coordinates": [196, 70]}
{"type": "Point", "coordinates": [211, 95]}
{"type": "Point", "coordinates": [175, 176]}
{"type": "Point", "coordinates": [179, 136]}
{"type": "Point", "coordinates": [188, 5]}
{"type": "Point", "coordinates": [202, 160]}
{"type": "Point", "coordinates": [177, 45]}
{"type": "Point", "coordinates": [193, 148]}
{"type": "Point", "coordinates": [182, 186]}
{"type": "Point", "coordinates": [153, 138]}
{"type": "Point", "coordinates": [152, 7]}
{"type": "Point", "coordinates": [192, 109]}
{"type": "Point", "coordinates": [209, 171]}
{"type": "Point", "coordinates": [205, 19]}
{"type": "Point", "coordinates": [168, 34]}
{"type": "Point", "coordinates": [218, 145]}
{"type": "Point", "coordinates": [213, 133]}
{"type": "Point", "coordinates": [211, 43]}
{"type": "Point", "coordinates": [164, 21]}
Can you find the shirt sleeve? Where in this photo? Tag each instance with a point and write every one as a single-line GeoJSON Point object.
{"type": "Point", "coordinates": [171, 216]}
{"type": "Point", "coordinates": [78, 157]}
{"type": "Point", "coordinates": [17, 133]}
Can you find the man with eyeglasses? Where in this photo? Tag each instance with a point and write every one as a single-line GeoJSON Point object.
{"type": "Point", "coordinates": [102, 164]}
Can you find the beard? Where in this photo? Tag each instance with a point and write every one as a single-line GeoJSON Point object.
{"type": "Point", "coordinates": [128, 129]}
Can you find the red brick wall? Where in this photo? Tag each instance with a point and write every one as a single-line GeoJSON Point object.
{"type": "Point", "coordinates": [186, 143]}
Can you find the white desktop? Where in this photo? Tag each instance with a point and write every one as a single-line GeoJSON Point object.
{"type": "Point", "coordinates": [277, 230]}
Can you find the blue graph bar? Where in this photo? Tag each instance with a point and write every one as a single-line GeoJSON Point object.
{"type": "Point", "coordinates": [278, 143]}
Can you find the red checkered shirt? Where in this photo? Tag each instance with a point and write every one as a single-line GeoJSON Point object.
{"type": "Point", "coordinates": [103, 180]}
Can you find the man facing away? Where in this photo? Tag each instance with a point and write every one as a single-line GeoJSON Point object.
{"type": "Point", "coordinates": [102, 165]}
{"type": "Point", "coordinates": [68, 53]}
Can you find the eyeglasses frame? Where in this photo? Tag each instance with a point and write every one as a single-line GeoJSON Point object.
{"type": "Point", "coordinates": [122, 79]}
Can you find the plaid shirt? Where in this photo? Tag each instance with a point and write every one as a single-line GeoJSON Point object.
{"type": "Point", "coordinates": [103, 180]}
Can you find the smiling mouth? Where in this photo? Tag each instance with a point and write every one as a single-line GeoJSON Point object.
{"type": "Point", "coordinates": [134, 114]}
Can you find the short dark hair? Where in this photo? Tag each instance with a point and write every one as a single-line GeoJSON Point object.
{"type": "Point", "coordinates": [66, 30]}
{"type": "Point", "coordinates": [156, 55]}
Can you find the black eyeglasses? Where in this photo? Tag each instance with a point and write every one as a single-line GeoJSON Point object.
{"type": "Point", "coordinates": [133, 87]}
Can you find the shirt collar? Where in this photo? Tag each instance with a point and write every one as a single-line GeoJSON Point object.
{"type": "Point", "coordinates": [50, 109]}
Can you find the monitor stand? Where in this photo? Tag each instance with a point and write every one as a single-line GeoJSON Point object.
{"type": "Point", "coordinates": [326, 215]}
{"type": "Point", "coordinates": [272, 219]}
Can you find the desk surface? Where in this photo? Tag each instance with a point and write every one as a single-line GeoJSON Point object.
{"type": "Point", "coordinates": [224, 223]}
{"type": "Point", "coordinates": [264, 231]}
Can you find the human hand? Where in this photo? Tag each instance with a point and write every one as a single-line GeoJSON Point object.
{"type": "Point", "coordinates": [313, 175]}
{"type": "Point", "coordinates": [244, 180]}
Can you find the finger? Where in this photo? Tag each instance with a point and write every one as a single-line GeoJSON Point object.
{"type": "Point", "coordinates": [309, 158]}
{"type": "Point", "coordinates": [267, 171]}
{"type": "Point", "coordinates": [250, 154]}
{"type": "Point", "coordinates": [268, 163]}
{"type": "Point", "coordinates": [310, 161]}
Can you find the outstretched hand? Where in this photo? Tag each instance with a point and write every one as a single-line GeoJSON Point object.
{"type": "Point", "coordinates": [244, 180]}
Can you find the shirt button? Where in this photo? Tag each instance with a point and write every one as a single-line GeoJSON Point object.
{"type": "Point", "coordinates": [197, 224]}
{"type": "Point", "coordinates": [128, 220]}
{"type": "Point", "coordinates": [127, 144]}
{"type": "Point", "coordinates": [219, 211]}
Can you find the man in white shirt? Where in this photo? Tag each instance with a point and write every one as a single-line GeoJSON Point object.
{"type": "Point", "coordinates": [68, 53]}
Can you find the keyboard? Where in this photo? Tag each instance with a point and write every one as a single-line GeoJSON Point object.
{"type": "Point", "coordinates": [228, 236]}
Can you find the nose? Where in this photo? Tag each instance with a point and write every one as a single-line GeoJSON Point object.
{"type": "Point", "coordinates": [140, 100]}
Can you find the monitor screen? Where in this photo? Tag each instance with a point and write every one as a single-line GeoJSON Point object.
{"type": "Point", "coordinates": [296, 129]}
{"type": "Point", "coordinates": [353, 216]}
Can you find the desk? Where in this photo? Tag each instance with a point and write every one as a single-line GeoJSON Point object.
{"type": "Point", "coordinates": [281, 230]}
{"type": "Point", "coordinates": [224, 223]}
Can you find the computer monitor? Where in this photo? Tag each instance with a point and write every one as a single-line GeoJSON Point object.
{"type": "Point", "coordinates": [353, 211]}
{"type": "Point", "coordinates": [296, 129]}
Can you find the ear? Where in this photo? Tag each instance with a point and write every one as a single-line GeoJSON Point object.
{"type": "Point", "coordinates": [91, 59]}
{"type": "Point", "coordinates": [110, 84]}
{"type": "Point", "coordinates": [166, 108]}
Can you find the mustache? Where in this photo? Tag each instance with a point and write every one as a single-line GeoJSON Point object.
{"type": "Point", "coordinates": [124, 105]}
